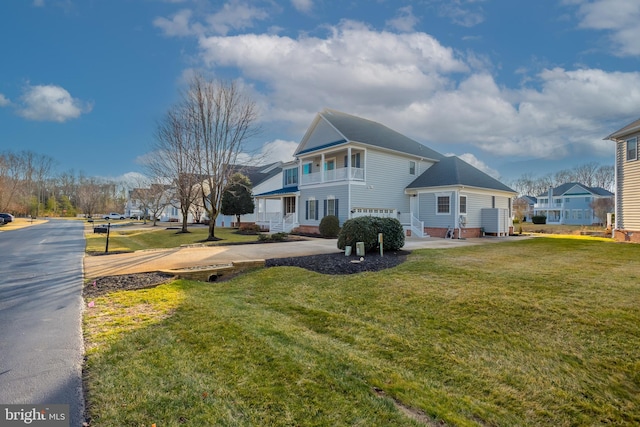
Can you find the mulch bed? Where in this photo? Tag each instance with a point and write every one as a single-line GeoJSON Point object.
{"type": "Point", "coordinates": [338, 263]}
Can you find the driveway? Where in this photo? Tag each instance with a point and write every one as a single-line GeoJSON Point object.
{"type": "Point", "coordinates": [198, 256]}
{"type": "Point", "coordinates": [41, 347]}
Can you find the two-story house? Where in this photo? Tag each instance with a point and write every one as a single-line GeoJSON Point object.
{"type": "Point", "coordinates": [570, 204]}
{"type": "Point", "coordinates": [348, 166]}
{"type": "Point", "coordinates": [626, 225]}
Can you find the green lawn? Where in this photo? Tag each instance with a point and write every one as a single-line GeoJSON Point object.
{"type": "Point", "coordinates": [133, 239]}
{"type": "Point", "coordinates": [542, 331]}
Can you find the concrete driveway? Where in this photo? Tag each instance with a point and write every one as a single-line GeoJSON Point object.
{"type": "Point", "coordinates": [200, 256]}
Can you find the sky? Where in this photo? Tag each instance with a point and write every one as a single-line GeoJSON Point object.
{"type": "Point", "coordinates": [513, 87]}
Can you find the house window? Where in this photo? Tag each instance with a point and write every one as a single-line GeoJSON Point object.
{"type": "Point", "coordinates": [443, 204]}
{"type": "Point", "coordinates": [412, 168]}
{"type": "Point", "coordinates": [306, 168]}
{"type": "Point", "coordinates": [290, 177]}
{"type": "Point", "coordinates": [355, 160]}
{"type": "Point", "coordinates": [587, 199]}
{"type": "Point", "coordinates": [567, 199]}
{"type": "Point", "coordinates": [558, 201]}
{"type": "Point", "coordinates": [331, 207]}
{"type": "Point", "coordinates": [463, 204]}
{"type": "Point", "coordinates": [632, 149]}
{"type": "Point", "coordinates": [312, 209]}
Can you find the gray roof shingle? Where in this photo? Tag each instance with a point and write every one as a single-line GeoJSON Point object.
{"type": "Point", "coordinates": [455, 171]}
{"type": "Point", "coordinates": [373, 133]}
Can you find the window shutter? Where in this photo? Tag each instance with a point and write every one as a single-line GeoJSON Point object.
{"type": "Point", "coordinates": [336, 208]}
{"type": "Point", "coordinates": [306, 211]}
{"type": "Point", "coordinates": [317, 209]}
{"type": "Point", "coordinates": [325, 208]}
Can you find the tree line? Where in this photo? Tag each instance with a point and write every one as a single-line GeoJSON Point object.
{"type": "Point", "coordinates": [30, 187]}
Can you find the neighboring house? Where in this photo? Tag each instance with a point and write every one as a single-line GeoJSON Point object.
{"type": "Point", "coordinates": [348, 166]}
{"type": "Point", "coordinates": [263, 178]}
{"type": "Point", "coordinates": [570, 204]}
{"type": "Point", "coordinates": [626, 225]}
{"type": "Point", "coordinates": [523, 207]}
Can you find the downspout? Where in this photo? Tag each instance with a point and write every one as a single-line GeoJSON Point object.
{"type": "Point", "coordinates": [457, 218]}
{"type": "Point", "coordinates": [349, 183]}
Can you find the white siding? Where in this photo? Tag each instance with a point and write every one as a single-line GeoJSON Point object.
{"type": "Point", "coordinates": [339, 192]}
{"type": "Point", "coordinates": [386, 177]}
{"type": "Point", "coordinates": [323, 134]}
{"type": "Point", "coordinates": [629, 190]}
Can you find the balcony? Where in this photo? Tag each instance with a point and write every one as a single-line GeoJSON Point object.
{"type": "Point", "coordinates": [333, 175]}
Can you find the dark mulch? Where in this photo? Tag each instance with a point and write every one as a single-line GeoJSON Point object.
{"type": "Point", "coordinates": [338, 263]}
{"type": "Point", "coordinates": [124, 282]}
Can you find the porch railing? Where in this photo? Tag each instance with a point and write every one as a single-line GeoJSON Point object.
{"type": "Point", "coordinates": [340, 174]}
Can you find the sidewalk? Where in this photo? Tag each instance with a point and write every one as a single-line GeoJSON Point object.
{"type": "Point", "coordinates": [200, 256]}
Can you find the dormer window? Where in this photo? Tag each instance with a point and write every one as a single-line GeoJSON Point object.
{"type": "Point", "coordinates": [290, 177]}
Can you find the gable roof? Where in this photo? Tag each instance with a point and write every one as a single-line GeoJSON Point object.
{"type": "Point", "coordinates": [365, 131]}
{"type": "Point", "coordinates": [563, 189]}
{"type": "Point", "coordinates": [455, 171]}
{"type": "Point", "coordinates": [625, 131]}
{"type": "Point", "coordinates": [258, 174]}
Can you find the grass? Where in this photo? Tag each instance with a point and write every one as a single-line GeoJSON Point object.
{"type": "Point", "coordinates": [542, 331]}
{"type": "Point", "coordinates": [133, 239]}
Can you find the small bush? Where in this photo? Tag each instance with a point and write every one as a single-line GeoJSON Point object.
{"type": "Point", "coordinates": [365, 229]}
{"type": "Point", "coordinates": [275, 237]}
{"type": "Point", "coordinates": [249, 229]}
{"type": "Point", "coordinates": [329, 226]}
{"type": "Point", "coordinates": [539, 219]}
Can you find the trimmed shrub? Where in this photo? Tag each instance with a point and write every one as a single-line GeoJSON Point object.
{"type": "Point", "coordinates": [275, 237]}
{"type": "Point", "coordinates": [329, 226]}
{"type": "Point", "coordinates": [366, 228]}
{"type": "Point", "coordinates": [249, 229]}
{"type": "Point", "coordinates": [539, 219]}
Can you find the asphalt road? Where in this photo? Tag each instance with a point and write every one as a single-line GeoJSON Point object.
{"type": "Point", "coordinates": [41, 345]}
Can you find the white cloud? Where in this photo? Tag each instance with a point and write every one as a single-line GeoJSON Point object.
{"type": "Point", "coordinates": [235, 15]}
{"type": "Point", "coordinates": [278, 151]}
{"type": "Point", "coordinates": [430, 92]}
{"type": "Point", "coordinates": [38, 3]}
{"type": "Point", "coordinates": [178, 25]}
{"type": "Point", "coordinates": [4, 101]}
{"type": "Point", "coordinates": [479, 164]}
{"type": "Point", "coordinates": [618, 17]}
{"type": "Point", "coordinates": [304, 6]}
{"type": "Point", "coordinates": [352, 65]}
{"type": "Point", "coordinates": [51, 103]}
{"type": "Point", "coordinates": [405, 21]}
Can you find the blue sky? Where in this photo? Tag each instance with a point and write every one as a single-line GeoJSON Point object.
{"type": "Point", "coordinates": [512, 87]}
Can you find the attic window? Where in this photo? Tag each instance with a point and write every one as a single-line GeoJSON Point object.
{"type": "Point", "coordinates": [632, 149]}
{"type": "Point", "coordinates": [412, 167]}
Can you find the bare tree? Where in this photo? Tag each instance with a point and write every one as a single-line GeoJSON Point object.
{"type": "Point", "coordinates": [585, 174]}
{"type": "Point", "coordinates": [222, 118]}
{"type": "Point", "coordinates": [605, 177]}
{"type": "Point", "coordinates": [601, 207]}
{"type": "Point", "coordinates": [173, 160]}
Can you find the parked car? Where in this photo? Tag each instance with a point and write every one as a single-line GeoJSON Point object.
{"type": "Point", "coordinates": [1, 221]}
{"type": "Point", "coordinates": [114, 215]}
{"type": "Point", "coordinates": [6, 216]}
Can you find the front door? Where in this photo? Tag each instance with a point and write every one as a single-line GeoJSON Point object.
{"type": "Point", "coordinates": [289, 205]}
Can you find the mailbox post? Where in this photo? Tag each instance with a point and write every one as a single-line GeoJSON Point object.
{"type": "Point", "coordinates": [106, 249]}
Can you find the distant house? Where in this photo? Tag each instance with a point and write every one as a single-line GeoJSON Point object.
{"type": "Point", "coordinates": [627, 170]}
{"type": "Point", "coordinates": [523, 207]}
{"type": "Point", "coordinates": [348, 166]}
{"type": "Point", "coordinates": [570, 203]}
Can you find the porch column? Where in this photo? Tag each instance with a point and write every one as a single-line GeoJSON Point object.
{"type": "Point", "coordinates": [322, 177]}
{"type": "Point", "coordinates": [349, 163]}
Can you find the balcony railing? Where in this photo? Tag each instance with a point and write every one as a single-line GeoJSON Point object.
{"type": "Point", "coordinates": [340, 174]}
